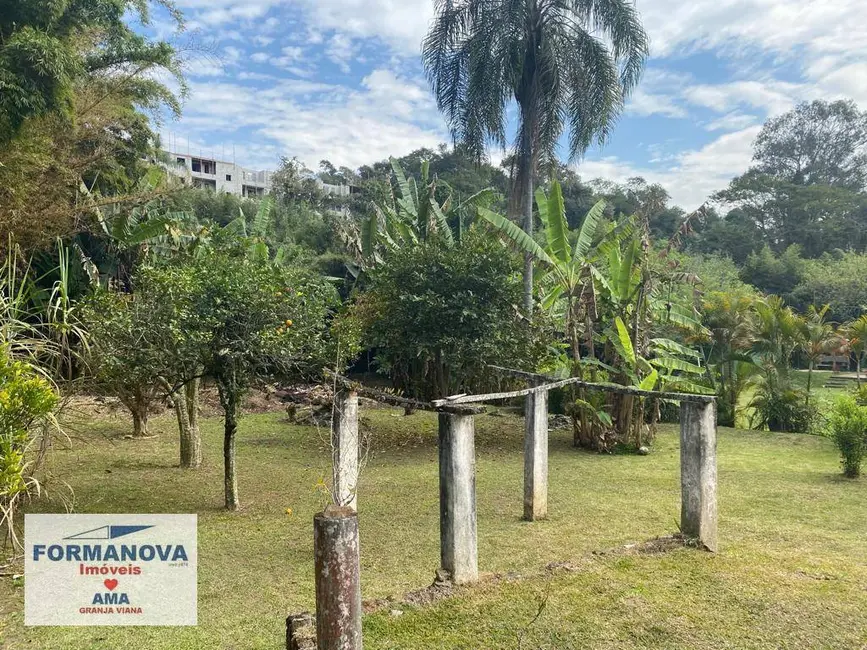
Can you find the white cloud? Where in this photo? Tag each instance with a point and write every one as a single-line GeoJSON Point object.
{"type": "Point", "coordinates": [694, 175]}
{"type": "Point", "coordinates": [770, 95]}
{"type": "Point", "coordinates": [341, 50]}
{"type": "Point", "coordinates": [733, 121]}
{"type": "Point", "coordinates": [388, 115]}
{"type": "Point", "coordinates": [644, 103]}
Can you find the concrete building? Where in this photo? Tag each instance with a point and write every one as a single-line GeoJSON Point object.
{"type": "Point", "coordinates": [219, 175]}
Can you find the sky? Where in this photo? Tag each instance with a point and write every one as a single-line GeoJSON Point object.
{"type": "Point", "coordinates": [342, 80]}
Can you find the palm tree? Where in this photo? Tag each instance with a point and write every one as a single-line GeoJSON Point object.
{"type": "Point", "coordinates": [857, 333]}
{"type": "Point", "coordinates": [818, 338]}
{"type": "Point", "coordinates": [777, 333]}
{"type": "Point", "coordinates": [566, 63]}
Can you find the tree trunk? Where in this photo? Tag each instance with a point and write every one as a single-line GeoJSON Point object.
{"type": "Point", "coordinates": [809, 383]}
{"type": "Point", "coordinates": [139, 422]}
{"type": "Point", "coordinates": [139, 404]}
{"type": "Point", "coordinates": [230, 476]}
{"type": "Point", "coordinates": [527, 213]}
{"type": "Point", "coordinates": [187, 411]}
{"type": "Point", "coordinates": [229, 397]}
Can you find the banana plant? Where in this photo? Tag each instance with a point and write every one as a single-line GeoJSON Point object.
{"type": "Point", "coordinates": [255, 232]}
{"type": "Point", "coordinates": [414, 215]}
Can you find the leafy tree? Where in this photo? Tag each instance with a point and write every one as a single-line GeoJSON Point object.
{"type": "Point", "coordinates": [837, 279]}
{"type": "Point", "coordinates": [807, 183]}
{"type": "Point", "coordinates": [122, 354]}
{"type": "Point", "coordinates": [774, 274]}
{"type": "Point", "coordinates": [728, 317]}
{"type": "Point", "coordinates": [256, 320]}
{"type": "Point", "coordinates": [816, 143]}
{"type": "Point", "coordinates": [45, 49]}
{"type": "Point", "coordinates": [735, 235]}
{"type": "Point", "coordinates": [79, 86]}
{"type": "Point", "coordinates": [437, 315]}
{"type": "Point", "coordinates": [563, 62]}
{"type": "Point", "coordinates": [595, 288]}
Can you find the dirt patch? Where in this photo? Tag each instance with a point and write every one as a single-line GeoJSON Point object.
{"type": "Point", "coordinates": [442, 586]}
{"type": "Point", "coordinates": [655, 546]}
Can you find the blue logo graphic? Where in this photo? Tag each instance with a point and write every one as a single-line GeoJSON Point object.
{"type": "Point", "coordinates": [108, 532]}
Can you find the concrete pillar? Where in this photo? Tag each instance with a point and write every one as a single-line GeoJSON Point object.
{"type": "Point", "coordinates": [344, 445]}
{"type": "Point", "coordinates": [536, 456]}
{"type": "Point", "coordinates": [698, 512]}
{"type": "Point", "coordinates": [338, 582]}
{"type": "Point", "coordinates": [458, 543]}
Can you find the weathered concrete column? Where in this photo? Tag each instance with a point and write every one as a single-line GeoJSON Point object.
{"type": "Point", "coordinates": [536, 456]}
{"type": "Point", "coordinates": [458, 543]}
{"type": "Point", "coordinates": [338, 582]}
{"type": "Point", "coordinates": [344, 445]}
{"type": "Point", "coordinates": [698, 512]}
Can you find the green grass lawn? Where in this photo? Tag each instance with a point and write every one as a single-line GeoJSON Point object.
{"type": "Point", "coordinates": [791, 571]}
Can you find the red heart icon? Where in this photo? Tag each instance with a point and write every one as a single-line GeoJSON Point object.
{"type": "Point", "coordinates": [110, 584]}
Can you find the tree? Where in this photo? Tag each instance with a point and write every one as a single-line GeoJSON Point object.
{"type": "Point", "coordinates": [78, 88]}
{"type": "Point", "coordinates": [818, 338]}
{"type": "Point", "coordinates": [837, 279]}
{"type": "Point", "coordinates": [816, 143]}
{"type": "Point", "coordinates": [255, 319]}
{"type": "Point", "coordinates": [595, 287]}
{"type": "Point", "coordinates": [807, 183]}
{"type": "Point", "coordinates": [728, 317]}
{"type": "Point", "coordinates": [776, 274]}
{"type": "Point", "coordinates": [46, 49]}
{"type": "Point", "coordinates": [564, 62]}
{"type": "Point", "coordinates": [856, 331]}
{"type": "Point", "coordinates": [438, 314]}
{"type": "Point", "coordinates": [122, 353]}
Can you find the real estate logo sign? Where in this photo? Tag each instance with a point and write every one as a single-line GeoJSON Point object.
{"type": "Point", "coordinates": [110, 570]}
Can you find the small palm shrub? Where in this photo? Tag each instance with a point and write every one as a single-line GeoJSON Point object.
{"type": "Point", "coordinates": [848, 428]}
{"type": "Point", "coordinates": [779, 407]}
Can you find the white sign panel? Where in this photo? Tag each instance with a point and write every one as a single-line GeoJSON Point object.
{"type": "Point", "coordinates": [110, 569]}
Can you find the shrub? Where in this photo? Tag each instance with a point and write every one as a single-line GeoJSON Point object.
{"type": "Point", "coordinates": [848, 428]}
{"type": "Point", "coordinates": [779, 407]}
{"type": "Point", "coordinates": [26, 400]}
{"type": "Point", "coordinates": [437, 315]}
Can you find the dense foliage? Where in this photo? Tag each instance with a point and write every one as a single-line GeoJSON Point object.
{"type": "Point", "coordinates": [848, 427]}
{"type": "Point", "coordinates": [437, 315]}
{"type": "Point", "coordinates": [27, 401]}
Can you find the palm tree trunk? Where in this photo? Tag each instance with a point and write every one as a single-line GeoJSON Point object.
{"type": "Point", "coordinates": [809, 383]}
{"type": "Point", "coordinates": [526, 193]}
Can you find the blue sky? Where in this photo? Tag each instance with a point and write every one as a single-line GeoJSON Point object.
{"type": "Point", "coordinates": [341, 79]}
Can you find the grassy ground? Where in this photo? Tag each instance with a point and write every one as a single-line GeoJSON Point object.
{"type": "Point", "coordinates": [790, 573]}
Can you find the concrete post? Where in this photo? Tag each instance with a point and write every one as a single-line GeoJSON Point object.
{"type": "Point", "coordinates": [698, 512]}
{"type": "Point", "coordinates": [536, 456]}
{"type": "Point", "coordinates": [344, 444]}
{"type": "Point", "coordinates": [338, 582]}
{"type": "Point", "coordinates": [458, 543]}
